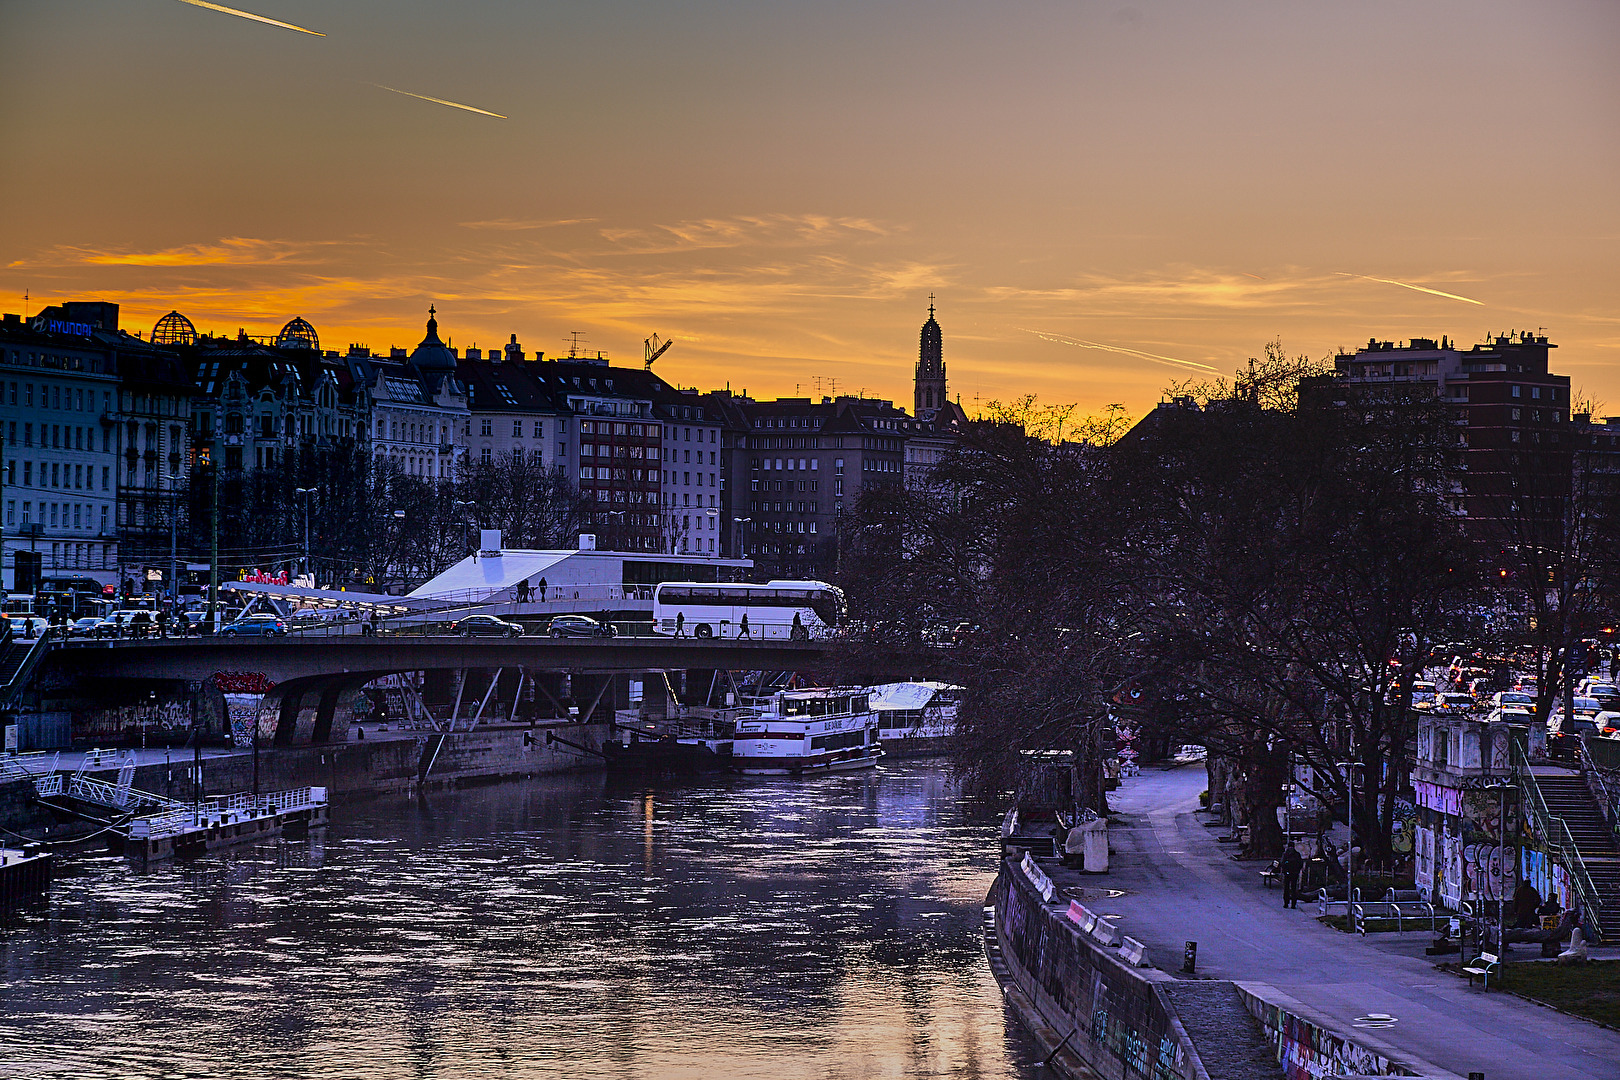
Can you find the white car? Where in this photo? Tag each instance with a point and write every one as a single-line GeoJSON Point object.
{"type": "Point", "coordinates": [23, 626]}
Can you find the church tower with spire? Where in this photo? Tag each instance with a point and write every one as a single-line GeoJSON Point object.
{"type": "Point", "coordinates": [930, 387]}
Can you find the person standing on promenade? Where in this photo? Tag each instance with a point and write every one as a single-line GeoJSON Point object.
{"type": "Point", "coordinates": [1291, 865]}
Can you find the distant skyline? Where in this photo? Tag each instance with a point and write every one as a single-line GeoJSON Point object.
{"type": "Point", "coordinates": [1105, 198]}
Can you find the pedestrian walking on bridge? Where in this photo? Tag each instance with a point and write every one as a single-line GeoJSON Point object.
{"type": "Point", "coordinates": [1290, 865]}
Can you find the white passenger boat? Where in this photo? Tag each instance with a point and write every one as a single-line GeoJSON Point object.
{"type": "Point", "coordinates": [806, 731]}
{"type": "Point", "coordinates": [916, 719]}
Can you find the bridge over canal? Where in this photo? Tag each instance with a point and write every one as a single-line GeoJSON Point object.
{"type": "Point", "coordinates": [309, 684]}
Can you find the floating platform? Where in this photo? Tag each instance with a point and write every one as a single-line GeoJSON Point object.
{"type": "Point", "coordinates": [222, 822]}
{"type": "Point", "coordinates": [24, 874]}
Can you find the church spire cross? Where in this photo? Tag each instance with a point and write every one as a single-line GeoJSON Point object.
{"type": "Point", "coordinates": [930, 305]}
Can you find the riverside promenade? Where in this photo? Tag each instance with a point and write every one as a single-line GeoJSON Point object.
{"type": "Point", "coordinates": [1179, 884]}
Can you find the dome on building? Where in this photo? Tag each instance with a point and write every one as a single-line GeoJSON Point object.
{"type": "Point", "coordinates": [298, 334]}
{"type": "Point", "coordinates": [174, 329]}
{"type": "Point", "coordinates": [432, 355]}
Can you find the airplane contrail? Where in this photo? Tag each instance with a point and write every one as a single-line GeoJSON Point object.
{"type": "Point", "coordinates": [1080, 343]}
{"type": "Point", "coordinates": [250, 15]}
{"type": "Point", "coordinates": [1415, 288]}
{"type": "Point", "coordinates": [440, 101]}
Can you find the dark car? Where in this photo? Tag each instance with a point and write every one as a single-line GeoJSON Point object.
{"type": "Point", "coordinates": [262, 625]}
{"type": "Point", "coordinates": [580, 626]}
{"type": "Point", "coordinates": [93, 627]}
{"type": "Point", "coordinates": [485, 626]}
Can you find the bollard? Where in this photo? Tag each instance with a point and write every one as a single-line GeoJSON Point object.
{"type": "Point", "coordinates": [1476, 1076]}
{"type": "Point", "coordinates": [1189, 958]}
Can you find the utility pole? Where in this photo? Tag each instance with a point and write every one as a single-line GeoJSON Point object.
{"type": "Point", "coordinates": [213, 542]}
{"type": "Point", "coordinates": [174, 560]}
{"type": "Point", "coordinates": [304, 495]}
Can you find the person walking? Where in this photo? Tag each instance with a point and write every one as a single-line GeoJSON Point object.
{"type": "Point", "coordinates": [742, 628]}
{"type": "Point", "coordinates": [1291, 864]}
{"type": "Point", "coordinates": [798, 633]}
{"type": "Point", "coordinates": [680, 624]}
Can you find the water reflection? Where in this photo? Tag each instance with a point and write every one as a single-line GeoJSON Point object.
{"type": "Point", "coordinates": [572, 926]}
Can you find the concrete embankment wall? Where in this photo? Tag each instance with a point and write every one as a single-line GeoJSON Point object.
{"type": "Point", "coordinates": [1125, 1022]}
{"type": "Point", "coordinates": [375, 766]}
{"type": "Point", "coordinates": [1309, 1048]}
{"type": "Point", "coordinates": [1123, 1027]}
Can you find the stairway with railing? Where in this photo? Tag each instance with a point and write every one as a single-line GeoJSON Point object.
{"type": "Point", "coordinates": [18, 659]}
{"type": "Point", "coordinates": [1563, 815]}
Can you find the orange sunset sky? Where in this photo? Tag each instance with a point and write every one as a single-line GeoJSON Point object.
{"type": "Point", "coordinates": [1106, 197]}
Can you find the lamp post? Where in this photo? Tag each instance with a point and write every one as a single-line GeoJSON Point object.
{"type": "Point", "coordinates": [739, 536]}
{"type": "Point", "coordinates": [713, 515]}
{"type": "Point", "coordinates": [174, 558]}
{"type": "Point", "coordinates": [1349, 768]}
{"type": "Point", "coordinates": [469, 514]}
{"type": "Point", "coordinates": [1501, 787]}
{"type": "Point", "coordinates": [303, 495]}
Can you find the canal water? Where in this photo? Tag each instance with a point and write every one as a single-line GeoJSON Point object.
{"type": "Point", "coordinates": [574, 926]}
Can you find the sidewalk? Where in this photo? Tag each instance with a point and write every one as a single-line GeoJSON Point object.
{"type": "Point", "coordinates": [1179, 885]}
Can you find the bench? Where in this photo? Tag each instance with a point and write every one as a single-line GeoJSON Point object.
{"type": "Point", "coordinates": [1271, 876]}
{"type": "Point", "coordinates": [1484, 966]}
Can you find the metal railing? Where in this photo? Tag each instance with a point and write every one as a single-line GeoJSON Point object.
{"type": "Point", "coordinates": [1554, 833]}
{"type": "Point", "coordinates": [37, 648]}
{"type": "Point", "coordinates": [1604, 784]}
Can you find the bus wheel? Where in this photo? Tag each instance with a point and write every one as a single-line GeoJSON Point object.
{"type": "Point", "coordinates": [703, 631]}
{"type": "Point", "coordinates": [799, 633]}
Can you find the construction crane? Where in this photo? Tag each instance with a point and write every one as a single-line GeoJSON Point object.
{"type": "Point", "coordinates": [653, 349]}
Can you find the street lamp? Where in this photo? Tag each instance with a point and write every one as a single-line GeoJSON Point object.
{"type": "Point", "coordinates": [303, 495]}
{"type": "Point", "coordinates": [1501, 788]}
{"type": "Point", "coordinates": [713, 515]}
{"type": "Point", "coordinates": [1350, 820]}
{"type": "Point", "coordinates": [469, 511]}
{"type": "Point", "coordinates": [739, 534]}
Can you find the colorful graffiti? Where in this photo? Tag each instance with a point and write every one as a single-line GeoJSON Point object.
{"type": "Point", "coordinates": [243, 682]}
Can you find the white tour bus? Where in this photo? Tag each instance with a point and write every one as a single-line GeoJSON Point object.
{"type": "Point", "coordinates": [800, 610]}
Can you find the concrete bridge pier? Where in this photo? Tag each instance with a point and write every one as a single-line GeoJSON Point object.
{"type": "Point", "coordinates": [302, 712]}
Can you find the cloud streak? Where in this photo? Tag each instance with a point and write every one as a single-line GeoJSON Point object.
{"type": "Point", "coordinates": [1080, 343]}
{"type": "Point", "coordinates": [249, 15]}
{"type": "Point", "coordinates": [437, 101]}
{"type": "Point", "coordinates": [227, 251]}
{"type": "Point", "coordinates": [1409, 285]}
{"type": "Point", "coordinates": [522, 224]}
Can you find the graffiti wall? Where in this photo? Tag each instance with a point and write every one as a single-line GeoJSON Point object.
{"type": "Point", "coordinates": [1548, 878]}
{"type": "Point", "coordinates": [1458, 853]}
{"type": "Point", "coordinates": [1309, 1052]}
{"type": "Point", "coordinates": [242, 690]}
{"type": "Point", "coordinates": [1123, 1027]}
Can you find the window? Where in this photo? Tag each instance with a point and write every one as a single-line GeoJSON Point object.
{"type": "Point", "coordinates": [485, 428]}
{"type": "Point", "coordinates": [28, 434]}
{"type": "Point", "coordinates": [1516, 390]}
{"type": "Point", "coordinates": [539, 429]}
{"type": "Point", "coordinates": [484, 455]}
{"type": "Point", "coordinates": [517, 429]}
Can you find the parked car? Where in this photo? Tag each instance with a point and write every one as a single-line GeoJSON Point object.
{"type": "Point", "coordinates": [93, 627]}
{"type": "Point", "coordinates": [1457, 703]}
{"type": "Point", "coordinates": [580, 626]}
{"type": "Point", "coordinates": [485, 626]}
{"type": "Point", "coordinates": [261, 625]}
